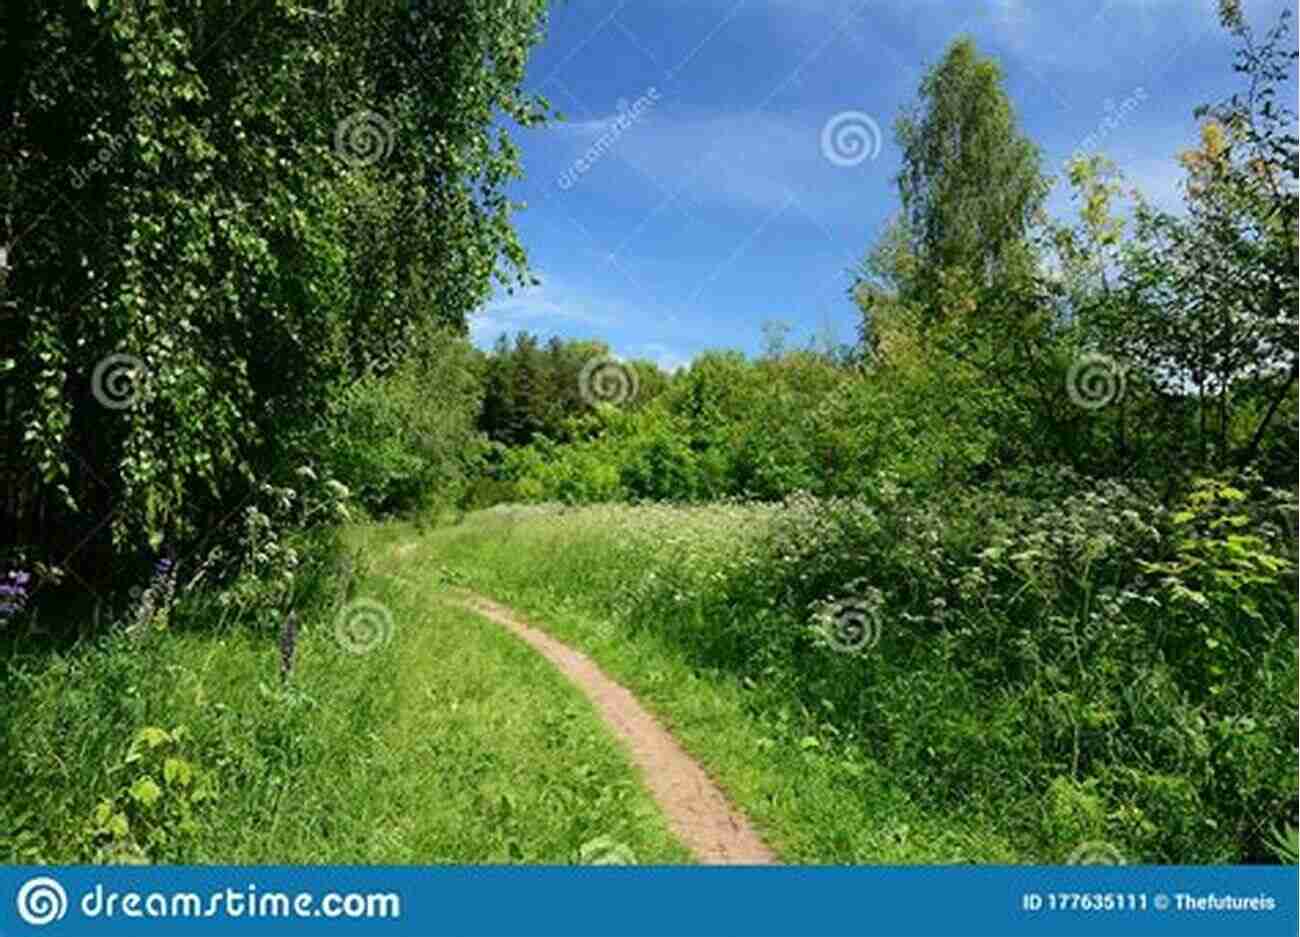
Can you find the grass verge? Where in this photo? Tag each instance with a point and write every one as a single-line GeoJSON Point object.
{"type": "Point", "coordinates": [447, 741]}
{"type": "Point", "coordinates": [813, 800]}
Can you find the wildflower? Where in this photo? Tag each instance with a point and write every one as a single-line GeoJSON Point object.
{"type": "Point", "coordinates": [288, 643]}
{"type": "Point", "coordinates": [13, 593]}
{"type": "Point", "coordinates": [156, 600]}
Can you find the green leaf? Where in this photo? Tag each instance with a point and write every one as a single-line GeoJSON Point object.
{"type": "Point", "coordinates": [145, 791]}
{"type": "Point", "coordinates": [153, 736]}
{"type": "Point", "coordinates": [118, 826]}
{"type": "Point", "coordinates": [178, 771]}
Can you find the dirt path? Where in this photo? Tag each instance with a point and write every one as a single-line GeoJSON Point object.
{"type": "Point", "coordinates": [697, 811]}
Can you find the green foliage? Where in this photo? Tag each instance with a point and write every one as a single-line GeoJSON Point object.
{"type": "Point", "coordinates": [1011, 649]}
{"type": "Point", "coordinates": [554, 391]}
{"type": "Point", "coordinates": [1286, 844]}
{"type": "Point", "coordinates": [970, 183]}
{"type": "Point", "coordinates": [264, 202]}
{"type": "Point", "coordinates": [183, 746]}
{"type": "Point", "coordinates": [406, 441]}
{"type": "Point", "coordinates": [162, 805]}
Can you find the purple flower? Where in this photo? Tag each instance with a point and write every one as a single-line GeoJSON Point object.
{"type": "Point", "coordinates": [288, 641]}
{"type": "Point", "coordinates": [14, 592]}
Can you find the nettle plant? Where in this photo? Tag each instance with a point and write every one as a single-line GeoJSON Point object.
{"type": "Point", "coordinates": [1224, 576]}
{"type": "Point", "coordinates": [159, 805]}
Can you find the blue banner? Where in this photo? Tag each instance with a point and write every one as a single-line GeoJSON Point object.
{"type": "Point", "coordinates": [571, 901]}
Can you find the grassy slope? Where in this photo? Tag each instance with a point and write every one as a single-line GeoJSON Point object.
{"type": "Point", "coordinates": [453, 743]}
{"type": "Point", "coordinates": [813, 805]}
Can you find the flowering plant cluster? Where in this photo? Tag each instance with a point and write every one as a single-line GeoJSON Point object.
{"type": "Point", "coordinates": [13, 593]}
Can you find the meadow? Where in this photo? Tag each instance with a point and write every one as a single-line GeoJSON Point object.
{"type": "Point", "coordinates": [1010, 576]}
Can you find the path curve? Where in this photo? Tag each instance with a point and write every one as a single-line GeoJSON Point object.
{"type": "Point", "coordinates": [697, 811]}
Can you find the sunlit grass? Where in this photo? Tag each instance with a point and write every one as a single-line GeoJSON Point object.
{"type": "Point", "coordinates": [813, 800]}
{"type": "Point", "coordinates": [451, 742]}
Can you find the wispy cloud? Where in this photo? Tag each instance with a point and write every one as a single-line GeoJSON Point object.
{"type": "Point", "coordinates": [547, 307]}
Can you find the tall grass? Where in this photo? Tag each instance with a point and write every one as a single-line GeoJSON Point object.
{"type": "Point", "coordinates": [1062, 661]}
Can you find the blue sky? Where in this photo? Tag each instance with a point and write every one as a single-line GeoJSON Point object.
{"type": "Point", "coordinates": [726, 188]}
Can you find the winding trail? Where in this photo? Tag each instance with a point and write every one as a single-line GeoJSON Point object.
{"type": "Point", "coordinates": [697, 811]}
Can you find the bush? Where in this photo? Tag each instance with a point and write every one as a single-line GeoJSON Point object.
{"type": "Point", "coordinates": [405, 442]}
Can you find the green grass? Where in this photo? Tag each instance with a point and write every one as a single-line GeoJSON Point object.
{"type": "Point", "coordinates": [814, 801]}
{"type": "Point", "coordinates": [1002, 712]}
{"type": "Point", "coordinates": [452, 743]}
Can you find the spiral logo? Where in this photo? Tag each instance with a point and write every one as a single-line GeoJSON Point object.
{"type": "Point", "coordinates": [850, 138]}
{"type": "Point", "coordinates": [850, 625]}
{"type": "Point", "coordinates": [604, 851]}
{"type": "Point", "coordinates": [362, 626]}
{"type": "Point", "coordinates": [363, 138]}
{"type": "Point", "coordinates": [42, 901]}
{"type": "Point", "coordinates": [1094, 381]}
{"type": "Point", "coordinates": [607, 380]}
{"type": "Point", "coordinates": [1096, 853]}
{"type": "Point", "coordinates": [118, 380]}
